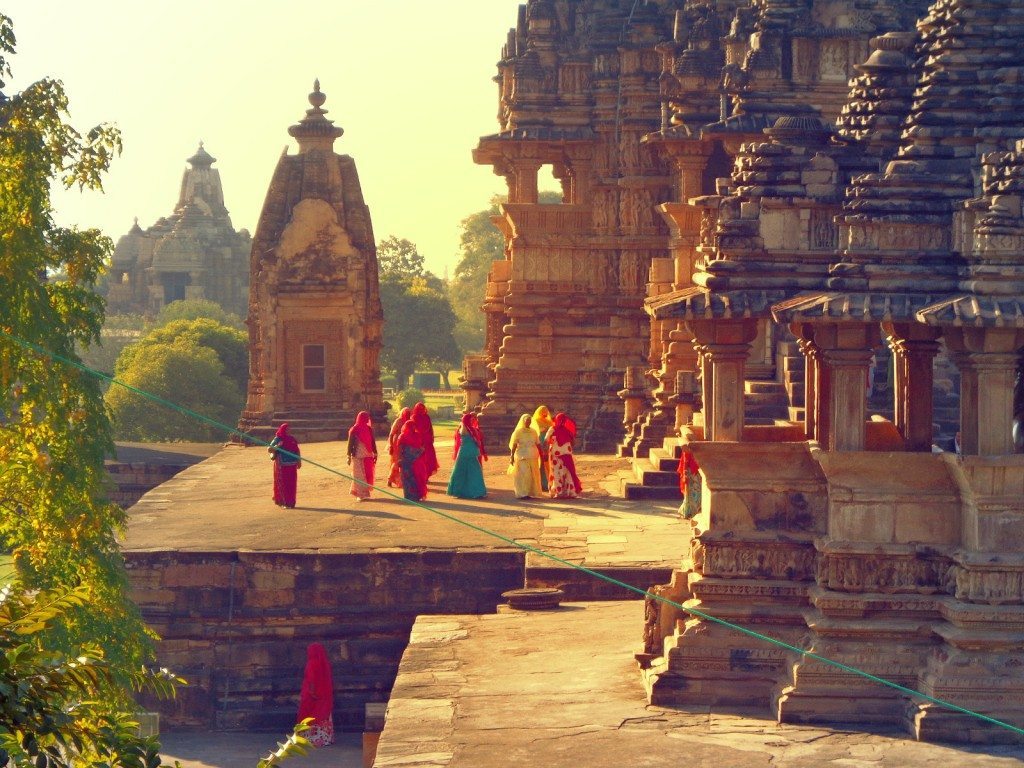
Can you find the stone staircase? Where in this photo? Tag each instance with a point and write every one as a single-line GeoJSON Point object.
{"type": "Point", "coordinates": [765, 403]}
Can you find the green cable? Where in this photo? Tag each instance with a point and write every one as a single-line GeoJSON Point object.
{"type": "Point", "coordinates": [526, 547]}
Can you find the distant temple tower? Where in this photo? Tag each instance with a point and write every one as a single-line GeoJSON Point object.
{"type": "Point", "coordinates": [314, 309]}
{"type": "Point", "coordinates": [194, 253]}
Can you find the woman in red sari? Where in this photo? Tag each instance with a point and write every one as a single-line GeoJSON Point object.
{"type": "Point", "coordinates": [564, 482]}
{"type": "Point", "coordinates": [410, 452]}
{"type": "Point", "coordinates": [284, 450]}
{"type": "Point", "coordinates": [362, 456]}
{"type": "Point", "coordinates": [316, 700]}
{"type": "Point", "coordinates": [395, 475]}
{"type": "Point", "coordinates": [425, 427]}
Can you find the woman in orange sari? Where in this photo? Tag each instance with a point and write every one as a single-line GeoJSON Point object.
{"type": "Point", "coordinates": [395, 474]}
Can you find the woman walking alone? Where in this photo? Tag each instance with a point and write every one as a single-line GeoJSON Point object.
{"type": "Point", "coordinates": [362, 456]}
{"type": "Point", "coordinates": [467, 480]}
{"type": "Point", "coordinates": [284, 450]}
{"type": "Point", "coordinates": [316, 699]}
{"type": "Point", "coordinates": [525, 448]}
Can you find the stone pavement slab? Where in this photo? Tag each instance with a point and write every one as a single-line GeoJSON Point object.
{"type": "Point", "coordinates": [224, 504]}
{"type": "Point", "coordinates": [559, 688]}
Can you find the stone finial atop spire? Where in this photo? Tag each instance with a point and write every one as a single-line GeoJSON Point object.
{"type": "Point", "coordinates": [314, 131]}
{"type": "Point", "coordinates": [202, 158]}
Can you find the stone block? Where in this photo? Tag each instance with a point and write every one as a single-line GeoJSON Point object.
{"type": "Point", "coordinates": [272, 580]}
{"type": "Point", "coordinates": [196, 575]}
{"type": "Point", "coordinates": [874, 523]}
{"type": "Point", "coordinates": [927, 522]}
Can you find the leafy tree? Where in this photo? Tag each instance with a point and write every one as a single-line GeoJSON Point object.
{"type": "Point", "coordinates": [192, 309]}
{"type": "Point", "coordinates": [407, 398]}
{"type": "Point", "coordinates": [57, 718]}
{"type": "Point", "coordinates": [399, 259]}
{"type": "Point", "coordinates": [418, 328]}
{"type": "Point", "coordinates": [230, 344]}
{"type": "Point", "coordinates": [55, 519]}
{"type": "Point", "coordinates": [182, 372]}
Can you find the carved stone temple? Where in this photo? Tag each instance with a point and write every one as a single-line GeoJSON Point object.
{"type": "Point", "coordinates": [817, 204]}
{"type": "Point", "coordinates": [314, 311]}
{"type": "Point", "coordinates": [194, 253]}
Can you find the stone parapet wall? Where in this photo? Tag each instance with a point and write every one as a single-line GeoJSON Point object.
{"type": "Point", "coordinates": [236, 624]}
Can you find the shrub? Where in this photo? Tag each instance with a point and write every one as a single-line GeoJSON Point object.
{"type": "Point", "coordinates": [407, 398]}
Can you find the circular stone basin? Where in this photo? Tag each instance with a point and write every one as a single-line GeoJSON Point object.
{"type": "Point", "coordinates": [538, 599]}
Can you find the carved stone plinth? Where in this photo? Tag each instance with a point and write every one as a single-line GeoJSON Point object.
{"type": "Point", "coordinates": [752, 561]}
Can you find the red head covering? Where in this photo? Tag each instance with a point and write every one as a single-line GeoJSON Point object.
{"type": "Point", "coordinates": [285, 441]}
{"type": "Point", "coordinates": [410, 436]}
{"type": "Point", "coordinates": [316, 699]}
{"type": "Point", "coordinates": [564, 429]}
{"type": "Point", "coordinates": [361, 430]}
{"type": "Point", "coordinates": [421, 419]}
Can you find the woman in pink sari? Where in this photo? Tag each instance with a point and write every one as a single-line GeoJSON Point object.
{"type": "Point", "coordinates": [395, 475]}
{"type": "Point", "coordinates": [316, 700]}
{"type": "Point", "coordinates": [564, 482]}
{"type": "Point", "coordinates": [362, 456]}
{"type": "Point", "coordinates": [425, 427]}
{"type": "Point", "coordinates": [284, 450]}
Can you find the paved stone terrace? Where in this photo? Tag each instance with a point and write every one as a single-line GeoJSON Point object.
{"type": "Point", "coordinates": [224, 504]}
{"type": "Point", "coordinates": [559, 688]}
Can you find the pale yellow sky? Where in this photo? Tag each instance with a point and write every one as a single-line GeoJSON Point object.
{"type": "Point", "coordinates": [408, 80]}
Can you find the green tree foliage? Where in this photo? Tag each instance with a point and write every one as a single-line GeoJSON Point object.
{"type": "Point", "coordinates": [399, 259]}
{"type": "Point", "coordinates": [418, 329]}
{"type": "Point", "coordinates": [55, 518]}
{"type": "Point", "coordinates": [419, 322]}
{"type": "Point", "coordinates": [230, 344]}
{"type": "Point", "coordinates": [184, 373]}
{"type": "Point", "coordinates": [192, 309]}
{"type": "Point", "coordinates": [407, 398]}
{"type": "Point", "coordinates": [51, 702]}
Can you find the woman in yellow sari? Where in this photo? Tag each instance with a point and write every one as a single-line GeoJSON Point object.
{"type": "Point", "coordinates": [525, 448]}
{"type": "Point", "coordinates": [542, 422]}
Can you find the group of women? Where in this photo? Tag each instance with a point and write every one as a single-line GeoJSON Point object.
{"type": "Point", "coordinates": [541, 457]}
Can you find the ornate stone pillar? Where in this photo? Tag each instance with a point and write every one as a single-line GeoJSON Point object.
{"type": "Point", "coordinates": [987, 359]}
{"type": "Point", "coordinates": [726, 347]}
{"type": "Point", "coordinates": [914, 348]}
{"type": "Point", "coordinates": [846, 350]}
{"type": "Point", "coordinates": [524, 176]}
{"type": "Point", "coordinates": [804, 333]}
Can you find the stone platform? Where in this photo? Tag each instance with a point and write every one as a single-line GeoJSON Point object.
{"type": "Point", "coordinates": [238, 587]}
{"type": "Point", "coordinates": [560, 688]}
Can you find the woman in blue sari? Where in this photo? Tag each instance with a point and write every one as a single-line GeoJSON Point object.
{"type": "Point", "coordinates": [467, 480]}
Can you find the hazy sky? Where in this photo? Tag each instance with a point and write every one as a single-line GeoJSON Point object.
{"type": "Point", "coordinates": [408, 80]}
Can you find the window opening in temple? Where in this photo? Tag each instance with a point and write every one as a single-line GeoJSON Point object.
{"type": "Point", "coordinates": [314, 377]}
{"type": "Point", "coordinates": [549, 188]}
{"type": "Point", "coordinates": [175, 285]}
